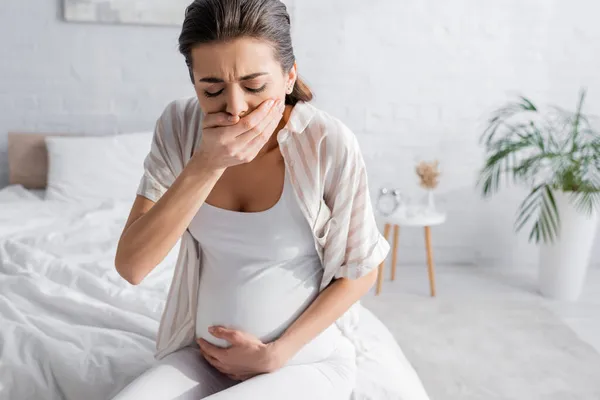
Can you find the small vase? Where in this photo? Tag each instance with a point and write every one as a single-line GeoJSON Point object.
{"type": "Point", "coordinates": [430, 201]}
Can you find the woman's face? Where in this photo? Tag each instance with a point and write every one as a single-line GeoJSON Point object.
{"type": "Point", "coordinates": [237, 76]}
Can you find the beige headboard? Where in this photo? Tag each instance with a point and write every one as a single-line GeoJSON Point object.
{"type": "Point", "coordinates": [28, 159]}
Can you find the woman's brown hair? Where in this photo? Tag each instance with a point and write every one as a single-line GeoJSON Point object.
{"type": "Point", "coordinates": [209, 21]}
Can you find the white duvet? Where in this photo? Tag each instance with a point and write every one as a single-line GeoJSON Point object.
{"type": "Point", "coordinates": [72, 328]}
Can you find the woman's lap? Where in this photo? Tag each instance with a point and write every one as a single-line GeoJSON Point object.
{"type": "Point", "coordinates": [185, 375]}
{"type": "Point", "coordinates": [181, 375]}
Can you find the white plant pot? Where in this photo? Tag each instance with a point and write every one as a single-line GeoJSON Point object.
{"type": "Point", "coordinates": [563, 265]}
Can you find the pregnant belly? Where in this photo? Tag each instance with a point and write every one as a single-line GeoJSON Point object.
{"type": "Point", "coordinates": [262, 307]}
{"type": "Point", "coordinates": [264, 312]}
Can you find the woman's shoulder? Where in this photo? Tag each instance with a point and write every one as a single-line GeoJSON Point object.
{"type": "Point", "coordinates": [182, 119]}
{"type": "Point", "coordinates": [327, 128]}
{"type": "Point", "coordinates": [183, 109]}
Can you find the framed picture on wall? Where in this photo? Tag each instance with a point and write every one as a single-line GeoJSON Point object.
{"type": "Point", "coordinates": [144, 12]}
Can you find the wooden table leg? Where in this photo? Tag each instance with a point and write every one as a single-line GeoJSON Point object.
{"type": "Point", "coordinates": [430, 260]}
{"type": "Point", "coordinates": [395, 251]}
{"type": "Point", "coordinates": [386, 232]}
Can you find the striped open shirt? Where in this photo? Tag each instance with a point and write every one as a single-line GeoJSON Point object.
{"type": "Point", "coordinates": [330, 183]}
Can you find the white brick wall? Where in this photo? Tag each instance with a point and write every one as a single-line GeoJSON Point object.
{"type": "Point", "coordinates": [413, 79]}
{"type": "Point", "coordinates": [416, 79]}
{"type": "Point", "coordinates": [84, 78]}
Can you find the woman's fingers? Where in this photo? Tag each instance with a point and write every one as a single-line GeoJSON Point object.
{"type": "Point", "coordinates": [234, 126]}
{"type": "Point", "coordinates": [252, 148]}
{"type": "Point", "coordinates": [227, 145]}
{"type": "Point", "coordinates": [211, 350]}
{"type": "Point", "coordinates": [248, 144]}
{"type": "Point", "coordinates": [237, 373]}
{"type": "Point", "coordinates": [215, 363]}
{"type": "Point", "coordinates": [252, 121]}
{"type": "Point", "coordinates": [220, 119]}
{"type": "Point", "coordinates": [223, 119]}
{"type": "Point", "coordinates": [274, 115]}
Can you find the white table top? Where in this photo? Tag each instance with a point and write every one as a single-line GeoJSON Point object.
{"type": "Point", "coordinates": [413, 216]}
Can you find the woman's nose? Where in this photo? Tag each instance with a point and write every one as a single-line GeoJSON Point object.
{"type": "Point", "coordinates": [236, 102]}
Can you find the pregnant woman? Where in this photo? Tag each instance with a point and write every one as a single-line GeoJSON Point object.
{"type": "Point", "coordinates": [268, 197]}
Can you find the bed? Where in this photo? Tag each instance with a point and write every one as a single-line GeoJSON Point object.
{"type": "Point", "coordinates": [70, 326]}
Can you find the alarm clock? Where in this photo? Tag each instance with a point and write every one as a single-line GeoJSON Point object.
{"type": "Point", "coordinates": [388, 201]}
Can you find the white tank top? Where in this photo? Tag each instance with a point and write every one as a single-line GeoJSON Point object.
{"type": "Point", "coordinates": [260, 271]}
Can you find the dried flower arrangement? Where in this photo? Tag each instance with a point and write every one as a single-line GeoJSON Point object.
{"type": "Point", "coordinates": [428, 173]}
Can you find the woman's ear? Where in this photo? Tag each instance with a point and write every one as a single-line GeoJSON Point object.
{"type": "Point", "coordinates": [292, 76]}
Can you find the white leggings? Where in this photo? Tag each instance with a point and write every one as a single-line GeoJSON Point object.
{"type": "Point", "coordinates": [185, 375]}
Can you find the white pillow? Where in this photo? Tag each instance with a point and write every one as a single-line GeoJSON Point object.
{"type": "Point", "coordinates": [17, 193]}
{"type": "Point", "coordinates": [96, 168]}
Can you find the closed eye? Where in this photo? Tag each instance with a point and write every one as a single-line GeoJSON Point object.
{"type": "Point", "coordinates": [257, 90]}
{"type": "Point", "coordinates": [251, 90]}
{"type": "Point", "coordinates": [212, 94]}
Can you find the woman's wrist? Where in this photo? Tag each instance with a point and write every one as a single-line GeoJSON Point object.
{"type": "Point", "coordinates": [199, 168]}
{"type": "Point", "coordinates": [281, 351]}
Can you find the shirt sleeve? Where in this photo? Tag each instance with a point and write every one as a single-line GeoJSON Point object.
{"type": "Point", "coordinates": [160, 163]}
{"type": "Point", "coordinates": [354, 243]}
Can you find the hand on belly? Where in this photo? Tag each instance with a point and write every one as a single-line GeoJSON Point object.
{"type": "Point", "coordinates": [246, 356]}
{"type": "Point", "coordinates": [261, 315]}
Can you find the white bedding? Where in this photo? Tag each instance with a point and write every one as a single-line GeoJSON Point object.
{"type": "Point", "coordinates": [71, 328]}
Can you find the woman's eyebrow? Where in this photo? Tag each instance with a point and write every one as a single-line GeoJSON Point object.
{"type": "Point", "coordinates": [211, 79]}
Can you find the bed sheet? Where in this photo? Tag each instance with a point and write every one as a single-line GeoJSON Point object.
{"type": "Point", "coordinates": [14, 193]}
{"type": "Point", "coordinates": [72, 328]}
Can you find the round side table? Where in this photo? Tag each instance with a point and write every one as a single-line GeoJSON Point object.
{"type": "Point", "coordinates": [410, 219]}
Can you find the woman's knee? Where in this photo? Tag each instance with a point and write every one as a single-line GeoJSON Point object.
{"type": "Point", "coordinates": [180, 375]}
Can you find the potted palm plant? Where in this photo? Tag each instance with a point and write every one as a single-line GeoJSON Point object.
{"type": "Point", "coordinates": [556, 154]}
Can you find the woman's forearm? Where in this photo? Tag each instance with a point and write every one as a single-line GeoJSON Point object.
{"type": "Point", "coordinates": [330, 305]}
{"type": "Point", "coordinates": [147, 240]}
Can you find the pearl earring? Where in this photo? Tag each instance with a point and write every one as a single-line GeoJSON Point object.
{"type": "Point", "coordinates": [290, 89]}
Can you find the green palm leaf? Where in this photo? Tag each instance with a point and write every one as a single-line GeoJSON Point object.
{"type": "Point", "coordinates": [500, 118]}
{"type": "Point", "coordinates": [586, 202]}
{"type": "Point", "coordinates": [556, 151]}
{"type": "Point", "coordinates": [540, 207]}
{"type": "Point", "coordinates": [502, 161]}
